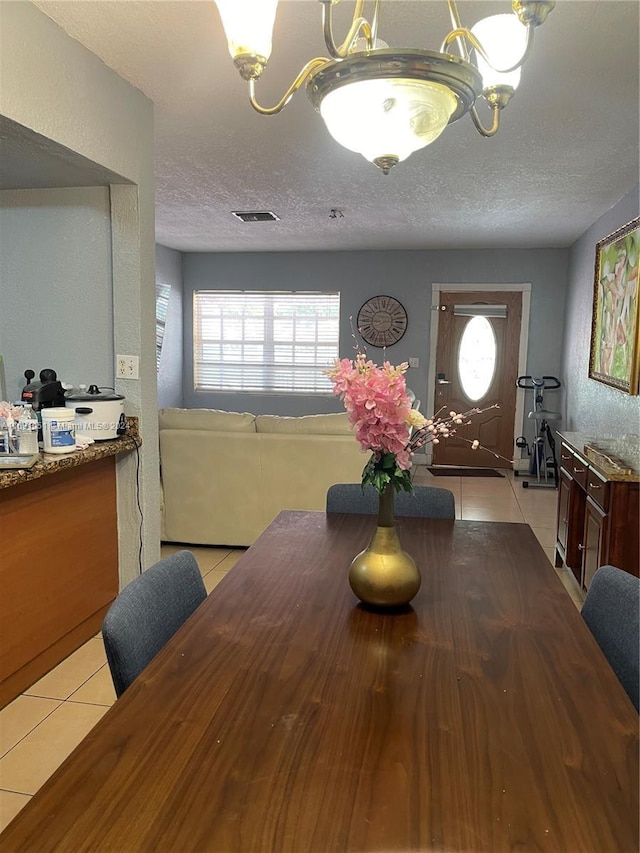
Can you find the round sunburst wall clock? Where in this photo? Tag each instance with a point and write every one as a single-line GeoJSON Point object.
{"type": "Point", "coordinates": [382, 321]}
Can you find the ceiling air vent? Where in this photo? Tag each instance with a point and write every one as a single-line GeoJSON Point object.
{"type": "Point", "coordinates": [255, 215]}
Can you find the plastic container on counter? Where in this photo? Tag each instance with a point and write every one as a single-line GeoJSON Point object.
{"type": "Point", "coordinates": [27, 431]}
{"type": "Point", "coordinates": [58, 430]}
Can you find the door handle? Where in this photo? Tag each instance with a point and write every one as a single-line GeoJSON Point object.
{"type": "Point", "coordinates": [441, 379]}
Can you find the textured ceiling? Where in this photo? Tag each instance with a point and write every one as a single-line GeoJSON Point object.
{"type": "Point", "coordinates": [566, 153]}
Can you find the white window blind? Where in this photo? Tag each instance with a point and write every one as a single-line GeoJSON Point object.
{"type": "Point", "coordinates": [270, 342]}
{"type": "Point", "coordinates": [162, 304]}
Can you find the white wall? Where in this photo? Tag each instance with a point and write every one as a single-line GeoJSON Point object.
{"type": "Point", "coordinates": [592, 407]}
{"type": "Point", "coordinates": [55, 87]}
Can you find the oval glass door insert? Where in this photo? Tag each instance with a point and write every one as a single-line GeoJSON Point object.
{"type": "Point", "coordinates": [477, 358]}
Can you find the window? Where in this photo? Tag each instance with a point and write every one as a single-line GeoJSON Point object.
{"type": "Point", "coordinates": [162, 304]}
{"type": "Point", "coordinates": [477, 358]}
{"type": "Point", "coordinates": [269, 342]}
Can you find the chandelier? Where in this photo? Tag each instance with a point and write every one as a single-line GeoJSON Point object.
{"type": "Point", "coordinates": [385, 103]}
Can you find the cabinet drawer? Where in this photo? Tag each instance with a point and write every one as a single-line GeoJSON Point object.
{"type": "Point", "coordinates": [566, 457]}
{"type": "Point", "coordinates": [598, 489]}
{"type": "Point", "coordinates": [578, 469]}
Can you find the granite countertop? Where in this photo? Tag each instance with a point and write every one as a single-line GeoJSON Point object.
{"type": "Point", "coordinates": [51, 463]}
{"type": "Point", "coordinates": [617, 458]}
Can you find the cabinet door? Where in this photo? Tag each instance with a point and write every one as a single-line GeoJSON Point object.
{"type": "Point", "coordinates": [575, 528]}
{"type": "Point", "coordinates": [623, 528]}
{"type": "Point", "coordinates": [595, 530]}
{"type": "Point", "coordinates": [564, 488]}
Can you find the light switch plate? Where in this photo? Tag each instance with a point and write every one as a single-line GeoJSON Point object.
{"type": "Point", "coordinates": [414, 362]}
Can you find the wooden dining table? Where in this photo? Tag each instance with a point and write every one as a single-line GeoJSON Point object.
{"type": "Point", "coordinates": [286, 717]}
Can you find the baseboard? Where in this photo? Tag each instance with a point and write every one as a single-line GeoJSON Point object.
{"type": "Point", "coordinates": [425, 459]}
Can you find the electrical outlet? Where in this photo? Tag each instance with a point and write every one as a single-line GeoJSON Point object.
{"type": "Point", "coordinates": [414, 362]}
{"type": "Point", "coordinates": [127, 367]}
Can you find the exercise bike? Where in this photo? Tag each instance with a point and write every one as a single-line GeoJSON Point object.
{"type": "Point", "coordinates": [543, 458]}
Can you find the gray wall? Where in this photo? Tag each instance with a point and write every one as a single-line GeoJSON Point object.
{"type": "Point", "coordinates": [358, 275]}
{"type": "Point", "coordinates": [592, 407]}
{"type": "Point", "coordinates": [56, 307]}
{"type": "Point", "coordinates": [169, 271]}
{"type": "Point", "coordinates": [54, 87]}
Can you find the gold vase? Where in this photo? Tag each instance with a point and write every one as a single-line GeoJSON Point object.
{"type": "Point", "coordinates": [383, 575]}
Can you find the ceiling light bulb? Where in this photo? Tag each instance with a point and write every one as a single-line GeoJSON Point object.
{"type": "Point", "coordinates": [504, 40]}
{"type": "Point", "coordinates": [248, 26]}
{"type": "Point", "coordinates": [387, 120]}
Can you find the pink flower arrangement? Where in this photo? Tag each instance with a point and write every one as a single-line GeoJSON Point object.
{"type": "Point", "coordinates": [379, 409]}
{"type": "Point", "coordinates": [377, 403]}
{"type": "Point", "coordinates": [8, 410]}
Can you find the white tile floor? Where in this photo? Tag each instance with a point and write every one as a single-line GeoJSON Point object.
{"type": "Point", "coordinates": [43, 725]}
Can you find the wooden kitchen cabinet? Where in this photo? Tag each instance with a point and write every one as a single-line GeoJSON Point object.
{"type": "Point", "coordinates": [598, 506]}
{"type": "Point", "coordinates": [571, 501]}
{"type": "Point", "coordinates": [564, 494]}
{"type": "Point", "coordinates": [593, 546]}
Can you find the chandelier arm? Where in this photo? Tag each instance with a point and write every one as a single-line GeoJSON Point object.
{"type": "Point", "coordinates": [463, 32]}
{"type": "Point", "coordinates": [457, 25]}
{"type": "Point", "coordinates": [483, 131]}
{"type": "Point", "coordinates": [374, 22]}
{"type": "Point", "coordinates": [358, 24]}
{"type": "Point", "coordinates": [304, 74]}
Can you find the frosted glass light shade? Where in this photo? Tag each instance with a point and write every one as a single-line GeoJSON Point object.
{"type": "Point", "coordinates": [248, 26]}
{"type": "Point", "coordinates": [504, 40]}
{"type": "Point", "coordinates": [387, 118]}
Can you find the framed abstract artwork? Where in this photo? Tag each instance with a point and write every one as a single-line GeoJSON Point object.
{"type": "Point", "coordinates": [615, 327]}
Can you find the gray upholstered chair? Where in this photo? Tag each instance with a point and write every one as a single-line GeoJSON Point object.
{"type": "Point", "coordinates": [148, 612]}
{"type": "Point", "coordinates": [612, 612]}
{"type": "Point", "coordinates": [425, 502]}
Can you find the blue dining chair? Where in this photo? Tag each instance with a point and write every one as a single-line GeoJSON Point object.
{"type": "Point", "coordinates": [611, 609]}
{"type": "Point", "coordinates": [147, 613]}
{"type": "Point", "coordinates": [424, 502]}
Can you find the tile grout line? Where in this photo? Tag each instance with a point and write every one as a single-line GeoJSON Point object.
{"type": "Point", "coordinates": [46, 717]}
{"type": "Point", "coordinates": [75, 689]}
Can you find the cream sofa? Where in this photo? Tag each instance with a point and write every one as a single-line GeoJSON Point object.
{"type": "Point", "coordinates": [226, 475]}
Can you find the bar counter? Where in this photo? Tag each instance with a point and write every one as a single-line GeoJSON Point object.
{"type": "Point", "coordinates": [59, 568]}
{"type": "Point", "coordinates": [53, 463]}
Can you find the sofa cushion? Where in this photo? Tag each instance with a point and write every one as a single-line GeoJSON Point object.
{"type": "Point", "coordinates": [214, 420]}
{"type": "Point", "coordinates": [337, 424]}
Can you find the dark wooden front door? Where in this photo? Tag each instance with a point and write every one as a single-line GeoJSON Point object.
{"type": "Point", "coordinates": [494, 428]}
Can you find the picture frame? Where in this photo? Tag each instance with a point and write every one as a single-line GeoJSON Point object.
{"type": "Point", "coordinates": [614, 357]}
